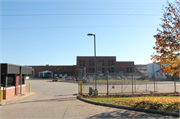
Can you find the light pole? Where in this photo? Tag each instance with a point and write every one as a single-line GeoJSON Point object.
{"type": "Point", "coordinates": [90, 34]}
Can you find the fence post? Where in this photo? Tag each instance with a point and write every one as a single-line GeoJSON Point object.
{"type": "Point", "coordinates": [132, 83]}
{"type": "Point", "coordinates": [107, 82]}
{"type": "Point", "coordinates": [154, 84]}
{"type": "Point", "coordinates": [146, 86]}
{"type": "Point", "coordinates": [80, 88]}
{"type": "Point", "coordinates": [122, 85]}
{"type": "Point", "coordinates": [174, 84]}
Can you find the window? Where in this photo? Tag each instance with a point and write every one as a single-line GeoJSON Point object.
{"type": "Point", "coordinates": [143, 67]}
{"type": "Point", "coordinates": [83, 62]}
{"type": "Point", "coordinates": [23, 79]}
{"type": "Point", "coordinates": [127, 69]}
{"type": "Point", "coordinates": [89, 70]}
{"type": "Point", "coordinates": [109, 69]}
{"type": "Point", "coordinates": [112, 61]}
{"type": "Point", "coordinates": [109, 63]}
{"type": "Point", "coordinates": [11, 80]}
{"type": "Point", "coordinates": [99, 61]}
{"type": "Point", "coordinates": [80, 62]}
{"type": "Point", "coordinates": [93, 70]}
{"type": "Point", "coordinates": [93, 62]}
{"type": "Point", "coordinates": [3, 78]}
{"type": "Point", "coordinates": [130, 69]}
{"type": "Point", "coordinates": [102, 62]}
{"type": "Point", "coordinates": [112, 69]}
{"type": "Point", "coordinates": [102, 70]}
{"type": "Point", "coordinates": [89, 62]}
{"type": "Point", "coordinates": [23, 82]}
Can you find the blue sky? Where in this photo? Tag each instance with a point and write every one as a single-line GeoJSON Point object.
{"type": "Point", "coordinates": [55, 32]}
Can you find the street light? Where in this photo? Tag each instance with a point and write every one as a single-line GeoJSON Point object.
{"type": "Point", "coordinates": [90, 34]}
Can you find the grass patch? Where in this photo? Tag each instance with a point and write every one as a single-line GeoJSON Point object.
{"type": "Point", "coordinates": [157, 103]}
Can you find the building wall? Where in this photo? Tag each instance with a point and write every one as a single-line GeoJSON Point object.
{"type": "Point", "coordinates": [126, 67]}
{"type": "Point", "coordinates": [68, 69]}
{"type": "Point", "coordinates": [9, 92]}
{"type": "Point", "coordinates": [152, 67]}
{"type": "Point", "coordinates": [141, 67]}
{"type": "Point", "coordinates": [99, 63]}
{"type": "Point", "coordinates": [112, 66]}
{"type": "Point", "coordinates": [23, 89]}
{"type": "Point", "coordinates": [103, 63]}
{"type": "Point", "coordinates": [16, 84]}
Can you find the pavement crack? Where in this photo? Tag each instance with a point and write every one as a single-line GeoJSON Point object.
{"type": "Point", "coordinates": [66, 108]}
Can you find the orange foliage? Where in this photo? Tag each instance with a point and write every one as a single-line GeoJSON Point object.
{"type": "Point", "coordinates": [167, 43]}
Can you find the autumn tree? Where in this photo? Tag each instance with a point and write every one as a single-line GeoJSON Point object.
{"type": "Point", "coordinates": [167, 43]}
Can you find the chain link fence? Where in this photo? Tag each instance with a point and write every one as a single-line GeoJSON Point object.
{"type": "Point", "coordinates": [128, 83]}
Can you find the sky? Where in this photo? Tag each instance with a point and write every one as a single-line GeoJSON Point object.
{"type": "Point", "coordinates": [54, 32]}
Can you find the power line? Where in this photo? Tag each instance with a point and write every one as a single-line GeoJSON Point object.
{"type": "Point", "coordinates": [76, 9]}
{"type": "Point", "coordinates": [78, 14]}
{"type": "Point", "coordinates": [73, 27]}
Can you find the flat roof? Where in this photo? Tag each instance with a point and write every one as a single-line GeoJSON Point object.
{"type": "Point", "coordinates": [10, 64]}
{"type": "Point", "coordinates": [14, 69]}
{"type": "Point", "coordinates": [51, 65]}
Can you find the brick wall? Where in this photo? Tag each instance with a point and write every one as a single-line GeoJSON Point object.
{"type": "Point", "coordinates": [23, 89]}
{"type": "Point", "coordinates": [68, 69]}
{"type": "Point", "coordinates": [9, 92]}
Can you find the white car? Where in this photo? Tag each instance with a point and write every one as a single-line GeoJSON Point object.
{"type": "Point", "coordinates": [117, 77]}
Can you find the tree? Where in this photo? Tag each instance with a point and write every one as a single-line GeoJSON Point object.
{"type": "Point", "coordinates": [167, 43]}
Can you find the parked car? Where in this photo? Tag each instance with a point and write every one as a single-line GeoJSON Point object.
{"type": "Point", "coordinates": [66, 75]}
{"type": "Point", "coordinates": [101, 75]}
{"type": "Point", "coordinates": [69, 78]}
{"type": "Point", "coordinates": [56, 79]}
{"type": "Point", "coordinates": [117, 77]}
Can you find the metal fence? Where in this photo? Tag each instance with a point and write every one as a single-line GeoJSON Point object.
{"type": "Point", "coordinates": [128, 83]}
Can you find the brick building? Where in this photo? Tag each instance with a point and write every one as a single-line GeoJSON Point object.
{"type": "Point", "coordinates": [57, 70]}
{"type": "Point", "coordinates": [103, 63]}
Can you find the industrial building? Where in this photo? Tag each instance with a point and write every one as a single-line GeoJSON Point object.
{"type": "Point", "coordinates": [103, 64]}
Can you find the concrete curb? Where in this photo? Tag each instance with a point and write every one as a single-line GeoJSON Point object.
{"type": "Point", "coordinates": [16, 99]}
{"type": "Point", "coordinates": [130, 108]}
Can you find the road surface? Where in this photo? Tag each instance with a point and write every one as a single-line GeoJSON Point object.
{"type": "Point", "coordinates": [57, 100]}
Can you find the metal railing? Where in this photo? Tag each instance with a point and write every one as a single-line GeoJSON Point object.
{"type": "Point", "coordinates": [128, 83]}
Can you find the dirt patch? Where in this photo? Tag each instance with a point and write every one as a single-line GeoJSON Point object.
{"type": "Point", "coordinates": [133, 95]}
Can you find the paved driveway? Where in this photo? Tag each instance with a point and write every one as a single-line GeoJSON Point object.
{"type": "Point", "coordinates": [57, 100]}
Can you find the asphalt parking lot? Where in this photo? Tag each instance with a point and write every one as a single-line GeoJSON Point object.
{"type": "Point", "coordinates": [57, 100]}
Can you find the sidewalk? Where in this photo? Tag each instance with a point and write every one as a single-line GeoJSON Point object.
{"type": "Point", "coordinates": [15, 98]}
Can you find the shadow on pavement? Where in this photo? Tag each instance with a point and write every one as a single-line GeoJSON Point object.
{"type": "Point", "coordinates": [38, 79]}
{"type": "Point", "coordinates": [53, 100]}
{"type": "Point", "coordinates": [66, 95]}
{"type": "Point", "coordinates": [125, 114]}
